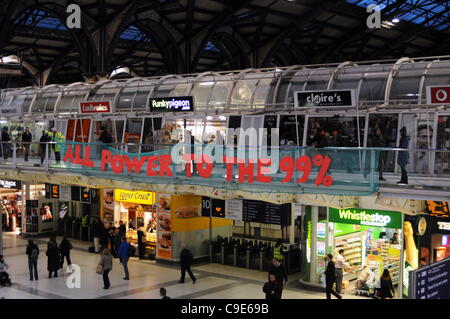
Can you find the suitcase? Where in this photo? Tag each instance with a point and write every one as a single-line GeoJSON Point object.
{"type": "Point", "coordinates": [91, 249]}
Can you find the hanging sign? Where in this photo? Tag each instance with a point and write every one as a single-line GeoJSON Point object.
{"type": "Point", "coordinates": [95, 107]}
{"type": "Point", "coordinates": [64, 193]}
{"type": "Point", "coordinates": [438, 94]}
{"type": "Point", "coordinates": [325, 98]}
{"type": "Point", "coordinates": [172, 104]}
{"type": "Point", "coordinates": [4, 183]}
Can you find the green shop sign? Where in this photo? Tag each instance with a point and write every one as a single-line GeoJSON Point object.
{"type": "Point", "coordinates": [366, 217]}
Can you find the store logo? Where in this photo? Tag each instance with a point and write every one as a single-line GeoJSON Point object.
{"type": "Point", "coordinates": [365, 218]}
{"type": "Point", "coordinates": [8, 184]}
{"type": "Point", "coordinates": [374, 19]}
{"type": "Point", "coordinates": [95, 107]}
{"type": "Point", "coordinates": [443, 225]}
{"type": "Point", "coordinates": [74, 279]}
{"type": "Point", "coordinates": [177, 104]}
{"type": "Point", "coordinates": [438, 94]}
{"type": "Point", "coordinates": [324, 98]}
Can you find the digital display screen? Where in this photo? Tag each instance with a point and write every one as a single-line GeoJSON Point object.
{"type": "Point", "coordinates": [438, 209]}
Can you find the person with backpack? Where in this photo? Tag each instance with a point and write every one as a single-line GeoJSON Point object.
{"type": "Point", "coordinates": [186, 260]}
{"type": "Point", "coordinates": [125, 250]}
{"type": "Point", "coordinates": [64, 249]}
{"type": "Point", "coordinates": [33, 255]}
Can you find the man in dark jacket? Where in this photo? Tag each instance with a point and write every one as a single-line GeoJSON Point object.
{"type": "Point", "coordinates": [186, 260]}
{"type": "Point", "coordinates": [330, 278]}
{"type": "Point", "coordinates": [279, 271]}
{"type": "Point", "coordinates": [64, 248]}
{"type": "Point", "coordinates": [33, 255]}
{"type": "Point", "coordinates": [272, 288]}
{"type": "Point", "coordinates": [26, 140]}
{"type": "Point", "coordinates": [6, 146]}
{"type": "Point", "coordinates": [98, 232]}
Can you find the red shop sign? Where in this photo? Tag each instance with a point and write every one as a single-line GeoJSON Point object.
{"type": "Point", "coordinates": [95, 107]}
{"type": "Point", "coordinates": [438, 94]}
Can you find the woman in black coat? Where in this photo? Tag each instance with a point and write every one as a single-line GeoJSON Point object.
{"type": "Point", "coordinates": [54, 261]}
{"type": "Point", "coordinates": [386, 287]}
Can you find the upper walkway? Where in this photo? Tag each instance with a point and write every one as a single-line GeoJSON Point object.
{"type": "Point", "coordinates": [294, 170]}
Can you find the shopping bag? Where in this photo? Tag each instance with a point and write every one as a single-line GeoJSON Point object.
{"type": "Point", "coordinates": [99, 269]}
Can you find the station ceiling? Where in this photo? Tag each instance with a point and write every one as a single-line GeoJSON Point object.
{"type": "Point", "coordinates": [185, 36]}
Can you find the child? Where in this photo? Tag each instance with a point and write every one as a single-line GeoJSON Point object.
{"type": "Point", "coordinates": [4, 277]}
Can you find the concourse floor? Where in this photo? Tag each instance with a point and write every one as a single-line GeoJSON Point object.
{"type": "Point", "coordinates": [146, 277]}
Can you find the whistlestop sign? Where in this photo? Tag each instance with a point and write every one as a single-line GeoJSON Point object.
{"type": "Point", "coordinates": [288, 169]}
{"type": "Point", "coordinates": [366, 217]}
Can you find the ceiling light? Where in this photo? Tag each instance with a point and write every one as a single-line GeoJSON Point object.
{"type": "Point", "coordinates": [206, 83]}
{"type": "Point", "coordinates": [396, 20]}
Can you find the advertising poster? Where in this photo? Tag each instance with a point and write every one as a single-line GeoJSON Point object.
{"type": "Point", "coordinates": [164, 226]}
{"type": "Point", "coordinates": [108, 205]}
{"type": "Point", "coordinates": [46, 213]}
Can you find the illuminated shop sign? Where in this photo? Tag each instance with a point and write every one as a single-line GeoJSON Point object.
{"type": "Point", "coordinates": [366, 217]}
{"type": "Point", "coordinates": [122, 195]}
{"type": "Point", "coordinates": [10, 184]}
{"type": "Point", "coordinates": [443, 225]}
{"type": "Point", "coordinates": [172, 104]}
{"type": "Point", "coordinates": [438, 94]}
{"type": "Point", "coordinates": [324, 98]}
{"type": "Point", "coordinates": [95, 107]}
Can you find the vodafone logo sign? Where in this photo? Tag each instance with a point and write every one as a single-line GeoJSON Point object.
{"type": "Point", "coordinates": [95, 107]}
{"type": "Point", "coordinates": [438, 94]}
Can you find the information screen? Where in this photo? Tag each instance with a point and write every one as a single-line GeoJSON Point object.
{"type": "Point", "coordinates": [431, 282]}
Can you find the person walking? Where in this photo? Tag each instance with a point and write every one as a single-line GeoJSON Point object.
{"type": "Point", "coordinates": [330, 278]}
{"type": "Point", "coordinates": [403, 156]}
{"type": "Point", "coordinates": [340, 265]}
{"type": "Point", "coordinates": [53, 260]}
{"type": "Point", "coordinates": [272, 288]}
{"type": "Point", "coordinates": [386, 288]}
{"type": "Point", "coordinates": [5, 142]}
{"type": "Point", "coordinates": [64, 248]}
{"type": "Point", "coordinates": [111, 239]}
{"type": "Point", "coordinates": [106, 262]}
{"type": "Point", "coordinates": [141, 241]}
{"type": "Point", "coordinates": [124, 256]}
{"type": "Point", "coordinates": [58, 139]}
{"type": "Point", "coordinates": [33, 255]}
{"type": "Point", "coordinates": [186, 260]}
{"type": "Point", "coordinates": [163, 293]}
{"type": "Point", "coordinates": [26, 140]}
{"type": "Point", "coordinates": [97, 233]}
{"type": "Point", "coordinates": [280, 274]}
{"type": "Point", "coordinates": [122, 227]}
{"type": "Point", "coordinates": [44, 146]}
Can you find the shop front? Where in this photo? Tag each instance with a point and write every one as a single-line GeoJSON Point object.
{"type": "Point", "coordinates": [11, 204]}
{"type": "Point", "coordinates": [371, 241]}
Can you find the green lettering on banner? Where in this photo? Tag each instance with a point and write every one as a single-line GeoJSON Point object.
{"type": "Point", "coordinates": [366, 217]}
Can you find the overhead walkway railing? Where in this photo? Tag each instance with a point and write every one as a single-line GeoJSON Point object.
{"type": "Point", "coordinates": [286, 169]}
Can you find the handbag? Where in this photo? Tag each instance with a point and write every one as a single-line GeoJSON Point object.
{"type": "Point", "coordinates": [99, 269]}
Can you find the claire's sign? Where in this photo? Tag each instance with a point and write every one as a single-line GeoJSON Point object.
{"type": "Point", "coordinates": [95, 107]}
{"type": "Point", "coordinates": [172, 104]}
{"type": "Point", "coordinates": [324, 98]}
{"type": "Point", "coordinates": [366, 217]}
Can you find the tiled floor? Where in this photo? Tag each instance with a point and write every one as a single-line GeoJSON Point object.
{"type": "Point", "coordinates": [214, 281]}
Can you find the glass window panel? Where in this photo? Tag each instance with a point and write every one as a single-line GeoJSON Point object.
{"type": "Point", "coordinates": [288, 131]}
{"type": "Point", "coordinates": [126, 99]}
{"type": "Point", "coordinates": [374, 83]}
{"type": "Point", "coordinates": [261, 93]}
{"type": "Point", "coordinates": [337, 131]}
{"type": "Point", "coordinates": [243, 92]}
{"type": "Point", "coordinates": [202, 90]}
{"type": "Point", "coordinates": [405, 85]}
{"type": "Point", "coordinates": [133, 134]}
{"type": "Point", "coordinates": [388, 126]}
{"type": "Point", "coordinates": [318, 80]}
{"type": "Point", "coordinates": [219, 94]}
{"type": "Point", "coordinates": [437, 74]}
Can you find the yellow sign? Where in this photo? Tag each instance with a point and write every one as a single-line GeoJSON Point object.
{"type": "Point", "coordinates": [122, 195]}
